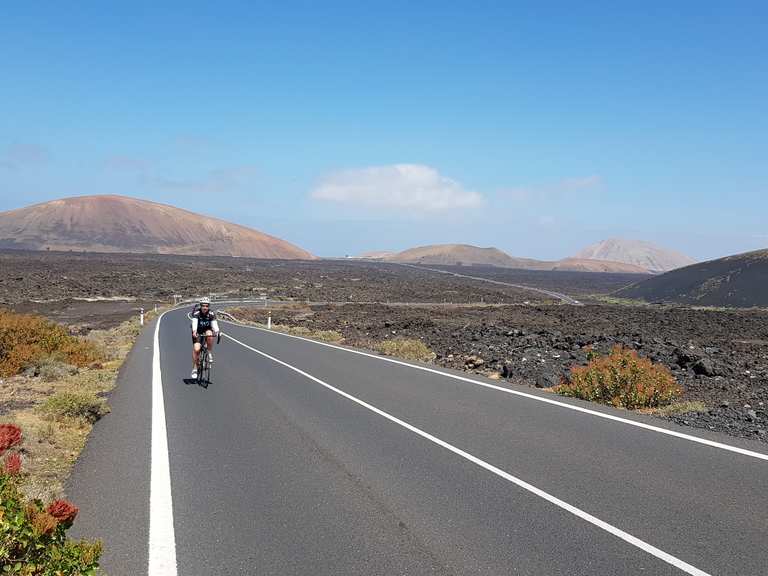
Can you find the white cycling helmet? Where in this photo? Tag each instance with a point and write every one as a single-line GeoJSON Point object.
{"type": "Point", "coordinates": [205, 300]}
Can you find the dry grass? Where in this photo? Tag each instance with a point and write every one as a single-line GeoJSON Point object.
{"type": "Point", "coordinates": [407, 349]}
{"type": "Point", "coordinates": [57, 407]}
{"type": "Point", "coordinates": [26, 340]}
{"type": "Point", "coordinates": [678, 408]}
{"type": "Point", "coordinates": [330, 336]}
{"type": "Point", "coordinates": [75, 405]}
{"type": "Point", "coordinates": [299, 311]}
{"type": "Point", "coordinates": [56, 419]}
{"type": "Point", "coordinates": [607, 299]}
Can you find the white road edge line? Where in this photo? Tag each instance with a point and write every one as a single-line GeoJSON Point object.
{"type": "Point", "coordinates": [634, 541]}
{"type": "Point", "coordinates": [162, 539]}
{"type": "Point", "coordinates": [643, 425]}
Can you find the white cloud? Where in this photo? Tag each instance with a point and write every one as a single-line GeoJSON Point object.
{"type": "Point", "coordinates": [398, 186]}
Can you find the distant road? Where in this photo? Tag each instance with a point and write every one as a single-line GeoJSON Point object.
{"type": "Point", "coordinates": [304, 458]}
{"type": "Point", "coordinates": [558, 295]}
{"type": "Point", "coordinates": [260, 303]}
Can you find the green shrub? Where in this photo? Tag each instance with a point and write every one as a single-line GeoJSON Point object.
{"type": "Point", "coordinates": [33, 539]}
{"type": "Point", "coordinates": [25, 340]}
{"type": "Point", "coordinates": [406, 349]}
{"type": "Point", "coordinates": [75, 405]}
{"type": "Point", "coordinates": [622, 379]}
{"type": "Point", "coordinates": [51, 368]}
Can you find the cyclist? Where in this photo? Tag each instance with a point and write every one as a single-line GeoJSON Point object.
{"type": "Point", "coordinates": [204, 325]}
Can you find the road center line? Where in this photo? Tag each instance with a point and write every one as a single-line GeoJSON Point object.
{"type": "Point", "coordinates": [634, 541]}
{"type": "Point", "coordinates": [643, 425]}
{"type": "Point", "coordinates": [162, 540]}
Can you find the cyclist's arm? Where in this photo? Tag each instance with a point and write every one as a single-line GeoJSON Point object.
{"type": "Point", "coordinates": [215, 326]}
{"type": "Point", "coordinates": [194, 324]}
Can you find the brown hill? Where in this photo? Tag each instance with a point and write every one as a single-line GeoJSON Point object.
{"type": "Point", "coordinates": [377, 255]}
{"type": "Point", "coordinates": [462, 254]}
{"type": "Point", "coordinates": [120, 224]}
{"type": "Point", "coordinates": [453, 254]}
{"type": "Point", "coordinates": [636, 252]}
{"type": "Point", "coordinates": [735, 281]}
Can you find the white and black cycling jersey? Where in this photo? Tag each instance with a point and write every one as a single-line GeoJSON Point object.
{"type": "Point", "coordinates": [201, 323]}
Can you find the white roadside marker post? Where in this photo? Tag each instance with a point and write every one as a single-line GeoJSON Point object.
{"type": "Point", "coordinates": [269, 321]}
{"type": "Point", "coordinates": [141, 316]}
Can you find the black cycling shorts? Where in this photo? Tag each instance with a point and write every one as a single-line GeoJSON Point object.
{"type": "Point", "coordinates": [200, 338]}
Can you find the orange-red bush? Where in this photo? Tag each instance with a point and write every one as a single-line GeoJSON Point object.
{"type": "Point", "coordinates": [25, 339]}
{"type": "Point", "coordinates": [33, 539]}
{"type": "Point", "coordinates": [10, 436]}
{"type": "Point", "coordinates": [12, 464]}
{"type": "Point", "coordinates": [622, 379]}
{"type": "Point", "coordinates": [65, 512]}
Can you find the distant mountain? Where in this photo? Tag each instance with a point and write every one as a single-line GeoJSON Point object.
{"type": "Point", "coordinates": [736, 281]}
{"type": "Point", "coordinates": [453, 254]}
{"type": "Point", "coordinates": [636, 252]}
{"type": "Point", "coordinates": [462, 254]}
{"type": "Point", "coordinates": [120, 224]}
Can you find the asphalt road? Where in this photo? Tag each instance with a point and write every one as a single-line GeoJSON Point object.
{"type": "Point", "coordinates": [302, 458]}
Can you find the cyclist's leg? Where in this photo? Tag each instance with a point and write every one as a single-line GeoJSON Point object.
{"type": "Point", "coordinates": [209, 344]}
{"type": "Point", "coordinates": [195, 352]}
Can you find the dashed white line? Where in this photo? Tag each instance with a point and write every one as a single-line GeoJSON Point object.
{"type": "Point", "coordinates": [162, 540]}
{"type": "Point", "coordinates": [625, 536]}
{"type": "Point", "coordinates": [637, 424]}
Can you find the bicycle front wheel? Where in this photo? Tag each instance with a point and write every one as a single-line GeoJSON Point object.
{"type": "Point", "coordinates": [201, 371]}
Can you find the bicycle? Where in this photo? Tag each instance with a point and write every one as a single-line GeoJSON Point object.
{"type": "Point", "coordinates": [203, 365]}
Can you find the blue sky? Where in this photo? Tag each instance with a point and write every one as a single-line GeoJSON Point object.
{"type": "Point", "coordinates": [351, 126]}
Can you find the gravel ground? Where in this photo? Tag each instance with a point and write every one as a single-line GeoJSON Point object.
{"type": "Point", "coordinates": [46, 276]}
{"type": "Point", "coordinates": [580, 284]}
{"type": "Point", "coordinates": [719, 357]}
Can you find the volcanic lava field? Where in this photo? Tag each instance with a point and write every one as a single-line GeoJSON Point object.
{"type": "Point", "coordinates": [719, 357]}
{"type": "Point", "coordinates": [41, 276]}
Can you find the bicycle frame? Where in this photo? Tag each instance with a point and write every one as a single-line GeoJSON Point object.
{"type": "Point", "coordinates": [203, 366]}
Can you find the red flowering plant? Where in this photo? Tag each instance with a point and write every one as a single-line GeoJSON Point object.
{"type": "Point", "coordinates": [12, 464]}
{"type": "Point", "coordinates": [33, 537]}
{"type": "Point", "coordinates": [65, 512]}
{"type": "Point", "coordinates": [10, 436]}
